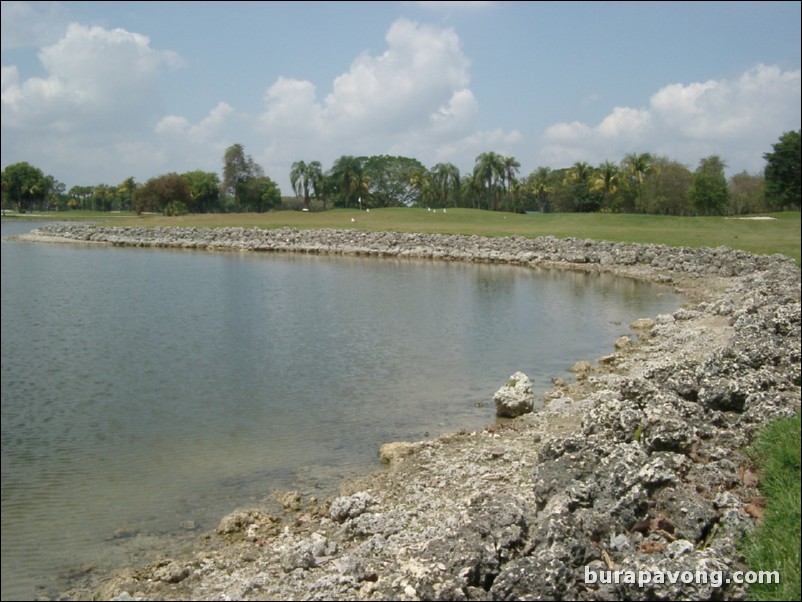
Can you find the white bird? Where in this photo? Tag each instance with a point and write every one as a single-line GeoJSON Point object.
{"type": "Point", "coordinates": [353, 220]}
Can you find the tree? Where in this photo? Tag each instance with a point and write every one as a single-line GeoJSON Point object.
{"type": "Point", "coordinates": [509, 172]}
{"type": "Point", "coordinates": [665, 189]}
{"type": "Point", "coordinates": [125, 193]}
{"type": "Point", "coordinates": [540, 185]}
{"type": "Point", "coordinates": [488, 172]}
{"type": "Point", "coordinates": [782, 172]}
{"type": "Point", "coordinates": [606, 180]}
{"type": "Point", "coordinates": [747, 193]}
{"type": "Point", "coordinates": [260, 194]}
{"type": "Point", "coordinates": [238, 169]}
{"type": "Point", "coordinates": [578, 181]}
{"type": "Point", "coordinates": [24, 186]}
{"type": "Point", "coordinates": [304, 177]}
{"type": "Point", "coordinates": [104, 197]}
{"type": "Point", "coordinates": [637, 167]}
{"type": "Point", "coordinates": [422, 183]}
{"type": "Point", "coordinates": [709, 193]}
{"type": "Point", "coordinates": [56, 197]}
{"type": "Point", "coordinates": [390, 181]}
{"type": "Point", "coordinates": [204, 191]}
{"type": "Point", "coordinates": [349, 178]}
{"type": "Point", "coordinates": [158, 193]}
{"type": "Point", "coordinates": [445, 179]}
{"type": "Point", "coordinates": [80, 196]}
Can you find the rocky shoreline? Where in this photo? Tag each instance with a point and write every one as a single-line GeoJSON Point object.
{"type": "Point", "coordinates": [635, 467]}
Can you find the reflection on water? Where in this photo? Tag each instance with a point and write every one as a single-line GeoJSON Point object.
{"type": "Point", "coordinates": [146, 389]}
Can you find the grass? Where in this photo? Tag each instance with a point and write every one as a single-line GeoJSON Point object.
{"type": "Point", "coordinates": [775, 546]}
{"type": "Point", "coordinates": [765, 237]}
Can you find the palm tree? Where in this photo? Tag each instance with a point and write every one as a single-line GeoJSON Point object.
{"type": "Point", "coordinates": [606, 180]}
{"type": "Point", "coordinates": [638, 166]}
{"type": "Point", "coordinates": [539, 184]}
{"type": "Point", "coordinates": [578, 178]}
{"type": "Point", "coordinates": [304, 176]}
{"type": "Point", "coordinates": [126, 191]}
{"type": "Point", "coordinates": [489, 175]}
{"type": "Point", "coordinates": [445, 177]}
{"type": "Point", "coordinates": [349, 177]}
{"type": "Point", "coordinates": [510, 169]}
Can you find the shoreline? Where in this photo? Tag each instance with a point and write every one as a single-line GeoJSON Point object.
{"type": "Point", "coordinates": [634, 466]}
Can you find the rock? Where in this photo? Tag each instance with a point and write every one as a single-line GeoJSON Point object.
{"type": "Point", "coordinates": [622, 343]}
{"type": "Point", "coordinates": [516, 397]}
{"type": "Point", "coordinates": [171, 572]}
{"type": "Point", "coordinates": [390, 453]}
{"type": "Point", "coordinates": [343, 508]}
{"type": "Point", "coordinates": [289, 500]}
{"type": "Point", "coordinates": [240, 520]}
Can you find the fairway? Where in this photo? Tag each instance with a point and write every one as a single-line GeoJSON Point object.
{"type": "Point", "coordinates": [762, 236]}
{"type": "Point", "coordinates": [765, 237]}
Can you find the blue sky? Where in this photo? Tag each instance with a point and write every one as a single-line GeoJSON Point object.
{"type": "Point", "coordinates": [95, 92]}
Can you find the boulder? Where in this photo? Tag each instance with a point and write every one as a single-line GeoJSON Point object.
{"type": "Point", "coordinates": [516, 397]}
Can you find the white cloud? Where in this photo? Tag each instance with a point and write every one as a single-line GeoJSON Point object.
{"type": "Point", "coordinates": [31, 24]}
{"type": "Point", "coordinates": [172, 124]}
{"type": "Point", "coordinates": [94, 76]}
{"type": "Point", "coordinates": [413, 99]}
{"type": "Point", "coordinates": [89, 115]}
{"type": "Point", "coordinates": [414, 77]}
{"type": "Point", "coordinates": [737, 119]}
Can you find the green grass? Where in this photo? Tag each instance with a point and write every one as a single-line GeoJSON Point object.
{"type": "Point", "coordinates": [775, 546]}
{"type": "Point", "coordinates": [765, 237]}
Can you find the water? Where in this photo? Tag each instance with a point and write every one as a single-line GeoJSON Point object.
{"type": "Point", "coordinates": [144, 389]}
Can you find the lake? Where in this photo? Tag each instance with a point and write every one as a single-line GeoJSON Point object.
{"type": "Point", "coordinates": [147, 393]}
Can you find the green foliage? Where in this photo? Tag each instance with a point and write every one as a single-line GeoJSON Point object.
{"type": "Point", "coordinates": [158, 192]}
{"type": "Point", "coordinates": [709, 192]}
{"type": "Point", "coordinates": [347, 181]}
{"type": "Point", "coordinates": [640, 183]}
{"type": "Point", "coordinates": [305, 177]}
{"type": "Point", "coordinates": [747, 194]}
{"type": "Point", "coordinates": [239, 170]}
{"type": "Point", "coordinates": [538, 189]}
{"type": "Point", "coordinates": [204, 191]}
{"type": "Point", "coordinates": [665, 189]}
{"type": "Point", "coordinates": [174, 208]}
{"type": "Point", "coordinates": [783, 172]}
{"type": "Point", "coordinates": [391, 181]}
{"type": "Point", "coordinates": [775, 546]}
{"type": "Point", "coordinates": [438, 187]}
{"type": "Point", "coordinates": [24, 186]}
{"type": "Point", "coordinates": [259, 194]}
{"type": "Point", "coordinates": [636, 166]}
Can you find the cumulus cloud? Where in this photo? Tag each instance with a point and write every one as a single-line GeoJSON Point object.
{"type": "Point", "coordinates": [93, 75]}
{"type": "Point", "coordinates": [31, 24]}
{"type": "Point", "coordinates": [98, 104]}
{"type": "Point", "coordinates": [89, 110]}
{"type": "Point", "coordinates": [413, 99]}
{"type": "Point", "coordinates": [415, 77]}
{"type": "Point", "coordinates": [737, 119]}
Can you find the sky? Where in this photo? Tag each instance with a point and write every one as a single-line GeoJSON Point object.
{"type": "Point", "coordinates": [96, 92]}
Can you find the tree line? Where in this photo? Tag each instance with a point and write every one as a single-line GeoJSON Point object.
{"type": "Point", "coordinates": [638, 183]}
